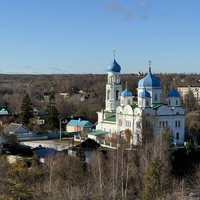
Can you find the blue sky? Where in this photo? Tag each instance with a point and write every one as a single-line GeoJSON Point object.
{"type": "Point", "coordinates": [79, 36]}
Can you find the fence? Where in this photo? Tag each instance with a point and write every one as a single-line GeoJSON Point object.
{"type": "Point", "coordinates": [103, 143]}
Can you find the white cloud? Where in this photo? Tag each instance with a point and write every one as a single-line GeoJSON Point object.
{"type": "Point", "coordinates": [117, 8]}
{"type": "Point", "coordinates": [141, 4]}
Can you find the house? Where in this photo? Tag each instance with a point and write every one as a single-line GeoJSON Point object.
{"type": "Point", "coordinates": [46, 154]}
{"type": "Point", "coordinates": [39, 121]}
{"type": "Point", "coordinates": [64, 94]}
{"type": "Point", "coordinates": [122, 113]}
{"type": "Point", "coordinates": [4, 143]}
{"type": "Point", "coordinates": [89, 146]}
{"type": "Point", "coordinates": [79, 126]}
{"type": "Point", "coordinates": [98, 135]}
{"type": "Point", "coordinates": [19, 130]}
{"type": "Point", "coordinates": [183, 90]}
{"type": "Point", "coordinates": [4, 112]}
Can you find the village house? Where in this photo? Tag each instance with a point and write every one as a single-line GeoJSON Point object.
{"type": "Point", "coordinates": [79, 126]}
{"type": "Point", "coordinates": [19, 130]}
{"type": "Point", "coordinates": [89, 147]}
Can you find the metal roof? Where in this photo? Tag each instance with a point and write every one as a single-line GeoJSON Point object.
{"type": "Point", "coordinates": [13, 127]}
{"type": "Point", "coordinates": [99, 132]}
{"type": "Point", "coordinates": [126, 93]}
{"type": "Point", "coordinates": [114, 67]}
{"type": "Point", "coordinates": [46, 153]}
{"type": "Point", "coordinates": [144, 94]}
{"type": "Point", "coordinates": [173, 93]}
{"type": "Point", "coordinates": [87, 145]}
{"type": "Point", "coordinates": [149, 82]}
{"type": "Point", "coordinates": [78, 123]}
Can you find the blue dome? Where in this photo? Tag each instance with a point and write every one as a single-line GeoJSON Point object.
{"type": "Point", "coordinates": [173, 93]}
{"type": "Point", "coordinates": [144, 93]}
{"type": "Point", "coordinates": [126, 93]}
{"type": "Point", "coordinates": [149, 82]}
{"type": "Point", "coordinates": [114, 67]}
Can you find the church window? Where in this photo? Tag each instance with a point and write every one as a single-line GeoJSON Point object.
{"type": "Point", "coordinates": [163, 124]}
{"type": "Point", "coordinates": [169, 102]}
{"type": "Point", "coordinates": [147, 102]}
{"type": "Point", "coordinates": [177, 136]}
{"type": "Point", "coordinates": [175, 123]}
{"type": "Point", "coordinates": [176, 102]}
{"type": "Point", "coordinates": [108, 94]}
{"type": "Point", "coordinates": [138, 124]}
{"type": "Point", "coordinates": [179, 123]}
{"type": "Point", "coordinates": [166, 123]}
{"type": "Point", "coordinates": [128, 123]}
{"type": "Point", "coordinates": [129, 102]}
{"type": "Point", "coordinates": [155, 97]}
{"type": "Point", "coordinates": [120, 122]}
{"type": "Point", "coordinates": [138, 137]}
{"type": "Point", "coordinates": [117, 95]}
{"type": "Point", "coordinates": [160, 124]}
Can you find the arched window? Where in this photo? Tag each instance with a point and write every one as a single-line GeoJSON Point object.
{"type": "Point", "coordinates": [108, 94]}
{"type": "Point", "coordinates": [176, 102]}
{"type": "Point", "coordinates": [166, 123]}
{"type": "Point", "coordinates": [177, 136]}
{"type": "Point", "coordinates": [129, 102]}
{"type": "Point", "coordinates": [169, 102]}
{"type": "Point", "coordinates": [147, 102]}
{"type": "Point", "coordinates": [120, 122]}
{"type": "Point", "coordinates": [175, 123]}
{"type": "Point", "coordinates": [117, 95]}
{"type": "Point", "coordinates": [155, 97]}
{"type": "Point", "coordinates": [163, 124]}
{"type": "Point", "coordinates": [179, 123]}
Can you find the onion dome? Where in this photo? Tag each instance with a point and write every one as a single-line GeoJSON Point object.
{"type": "Point", "coordinates": [144, 94]}
{"type": "Point", "coordinates": [173, 93]}
{"type": "Point", "coordinates": [149, 81]}
{"type": "Point", "coordinates": [114, 67]}
{"type": "Point", "coordinates": [126, 93]}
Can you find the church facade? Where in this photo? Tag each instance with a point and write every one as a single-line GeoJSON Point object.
{"type": "Point", "coordinates": [122, 113]}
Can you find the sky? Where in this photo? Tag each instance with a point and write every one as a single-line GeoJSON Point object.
{"type": "Point", "coordinates": [79, 36]}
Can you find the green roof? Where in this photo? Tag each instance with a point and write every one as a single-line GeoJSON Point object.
{"type": "Point", "coordinates": [111, 119]}
{"type": "Point", "coordinates": [157, 106]}
{"type": "Point", "coordinates": [98, 132]}
{"type": "Point", "coordinates": [133, 106]}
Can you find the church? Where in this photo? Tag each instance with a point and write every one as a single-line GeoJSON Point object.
{"type": "Point", "coordinates": [122, 113]}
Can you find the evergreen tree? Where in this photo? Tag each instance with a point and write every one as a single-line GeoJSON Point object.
{"type": "Point", "coordinates": [27, 110]}
{"type": "Point", "coordinates": [81, 155]}
{"type": "Point", "coordinates": [168, 136]}
{"type": "Point", "coordinates": [52, 113]}
{"type": "Point", "coordinates": [156, 180]}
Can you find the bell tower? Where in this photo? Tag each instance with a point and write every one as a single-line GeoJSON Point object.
{"type": "Point", "coordinates": [113, 86]}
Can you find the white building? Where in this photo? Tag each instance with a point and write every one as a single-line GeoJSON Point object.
{"type": "Point", "coordinates": [121, 113]}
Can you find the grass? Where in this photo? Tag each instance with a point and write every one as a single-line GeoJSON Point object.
{"type": "Point", "coordinates": [70, 142]}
